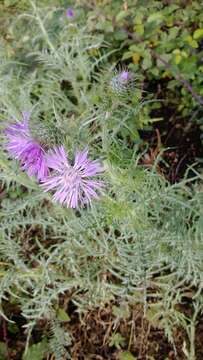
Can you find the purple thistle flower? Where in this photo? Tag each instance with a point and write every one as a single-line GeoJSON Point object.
{"type": "Point", "coordinates": [72, 185]}
{"type": "Point", "coordinates": [22, 147]}
{"type": "Point", "coordinates": [69, 13]}
{"type": "Point", "coordinates": [123, 82]}
{"type": "Point", "coordinates": [124, 76]}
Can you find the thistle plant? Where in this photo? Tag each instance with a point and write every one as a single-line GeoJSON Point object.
{"type": "Point", "coordinates": [140, 239]}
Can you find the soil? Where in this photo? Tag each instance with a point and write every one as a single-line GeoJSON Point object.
{"type": "Point", "coordinates": [93, 333]}
{"type": "Point", "coordinates": [179, 149]}
{"type": "Point", "coordinates": [92, 339]}
{"type": "Point", "coordinates": [178, 141]}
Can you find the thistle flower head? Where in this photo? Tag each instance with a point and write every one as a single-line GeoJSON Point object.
{"type": "Point", "coordinates": [122, 83]}
{"type": "Point", "coordinates": [124, 76]}
{"type": "Point", "coordinates": [23, 148]}
{"type": "Point", "coordinates": [72, 184]}
{"type": "Point", "coordinates": [69, 13]}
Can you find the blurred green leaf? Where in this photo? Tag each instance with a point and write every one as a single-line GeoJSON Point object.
{"type": "Point", "coordinates": [36, 351]}
{"type": "Point", "coordinates": [117, 340]}
{"type": "Point", "coordinates": [62, 315]}
{"type": "Point", "coordinates": [3, 351]}
{"type": "Point", "coordinates": [126, 355]}
{"type": "Point", "coordinates": [147, 61]}
{"type": "Point", "coordinates": [122, 311]}
{"type": "Point", "coordinates": [127, 55]}
{"type": "Point", "coordinates": [157, 17]}
{"type": "Point", "coordinates": [198, 34]}
{"type": "Point", "coordinates": [121, 15]}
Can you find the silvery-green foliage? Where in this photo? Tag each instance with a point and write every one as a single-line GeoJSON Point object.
{"type": "Point", "coordinates": [59, 340]}
{"type": "Point", "coordinates": [144, 233]}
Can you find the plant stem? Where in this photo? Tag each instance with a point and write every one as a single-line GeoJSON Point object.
{"type": "Point", "coordinates": [44, 32]}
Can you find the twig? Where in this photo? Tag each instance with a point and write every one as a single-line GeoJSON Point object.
{"type": "Point", "coordinates": [179, 77]}
{"type": "Point", "coordinates": [167, 65]}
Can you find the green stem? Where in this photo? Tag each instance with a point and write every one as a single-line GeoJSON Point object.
{"type": "Point", "coordinates": [44, 32]}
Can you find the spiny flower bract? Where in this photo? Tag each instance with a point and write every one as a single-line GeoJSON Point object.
{"type": "Point", "coordinates": [22, 147]}
{"type": "Point", "coordinates": [45, 133]}
{"type": "Point", "coordinates": [122, 83]}
{"type": "Point", "coordinates": [72, 184]}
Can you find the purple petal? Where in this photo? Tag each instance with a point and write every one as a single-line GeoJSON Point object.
{"type": "Point", "coordinates": [72, 185]}
{"type": "Point", "coordinates": [57, 158]}
{"type": "Point", "coordinates": [22, 147]}
{"type": "Point", "coordinates": [69, 13]}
